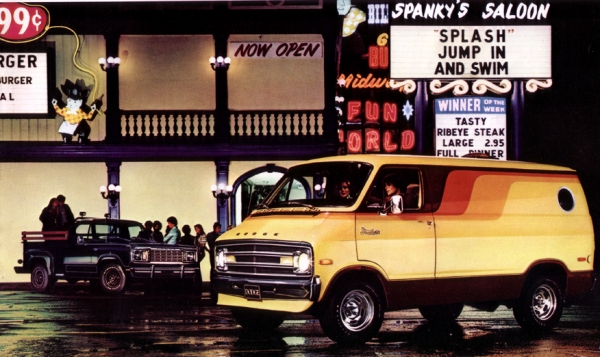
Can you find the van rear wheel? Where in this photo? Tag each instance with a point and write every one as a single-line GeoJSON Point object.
{"type": "Point", "coordinates": [540, 306]}
{"type": "Point", "coordinates": [441, 313]}
{"type": "Point", "coordinates": [354, 314]}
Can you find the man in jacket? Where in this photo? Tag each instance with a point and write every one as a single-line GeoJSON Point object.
{"type": "Point", "coordinates": [174, 234]}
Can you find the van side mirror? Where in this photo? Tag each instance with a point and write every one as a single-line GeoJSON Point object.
{"type": "Point", "coordinates": [396, 206]}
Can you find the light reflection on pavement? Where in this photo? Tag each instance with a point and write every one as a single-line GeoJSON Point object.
{"type": "Point", "coordinates": [73, 321]}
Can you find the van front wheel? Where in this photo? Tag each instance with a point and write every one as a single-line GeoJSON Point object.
{"type": "Point", "coordinates": [540, 306]}
{"type": "Point", "coordinates": [353, 315]}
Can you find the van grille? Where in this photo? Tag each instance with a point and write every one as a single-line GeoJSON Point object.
{"type": "Point", "coordinates": [263, 257]}
{"type": "Point", "coordinates": [166, 255]}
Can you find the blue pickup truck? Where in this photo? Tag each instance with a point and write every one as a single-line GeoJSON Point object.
{"type": "Point", "coordinates": [106, 252]}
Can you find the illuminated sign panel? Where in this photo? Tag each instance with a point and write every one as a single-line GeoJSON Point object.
{"type": "Point", "coordinates": [23, 83]}
{"type": "Point", "coordinates": [470, 52]}
{"type": "Point", "coordinates": [470, 125]}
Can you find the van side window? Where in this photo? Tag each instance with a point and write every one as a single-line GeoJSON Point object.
{"type": "Point", "coordinates": [405, 182]}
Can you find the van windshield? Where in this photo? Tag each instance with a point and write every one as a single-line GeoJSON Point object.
{"type": "Point", "coordinates": [327, 184]}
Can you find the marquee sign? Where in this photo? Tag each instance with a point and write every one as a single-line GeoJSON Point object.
{"type": "Point", "coordinates": [22, 23]}
{"type": "Point", "coordinates": [470, 125]}
{"type": "Point", "coordinates": [470, 52]}
{"type": "Point", "coordinates": [23, 83]}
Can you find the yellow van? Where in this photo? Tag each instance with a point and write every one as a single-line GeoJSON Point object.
{"type": "Point", "coordinates": [347, 238]}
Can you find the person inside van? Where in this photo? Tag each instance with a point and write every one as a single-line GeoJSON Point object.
{"type": "Point", "coordinates": [392, 188]}
{"type": "Point", "coordinates": [344, 191]}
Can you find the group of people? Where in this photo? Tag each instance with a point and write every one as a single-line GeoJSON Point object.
{"type": "Point", "coordinates": [199, 240]}
{"type": "Point", "coordinates": [57, 216]}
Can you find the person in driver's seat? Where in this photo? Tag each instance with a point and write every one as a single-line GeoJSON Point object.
{"type": "Point", "coordinates": [392, 188]}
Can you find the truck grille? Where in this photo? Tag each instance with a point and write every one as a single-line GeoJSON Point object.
{"type": "Point", "coordinates": [166, 255]}
{"type": "Point", "coordinates": [263, 257]}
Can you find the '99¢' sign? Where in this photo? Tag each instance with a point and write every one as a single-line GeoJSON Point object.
{"type": "Point", "coordinates": [20, 22]}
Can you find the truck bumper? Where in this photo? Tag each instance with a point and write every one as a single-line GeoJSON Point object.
{"type": "Point", "coordinates": [164, 272]}
{"type": "Point", "coordinates": [269, 289]}
{"type": "Point", "coordinates": [21, 270]}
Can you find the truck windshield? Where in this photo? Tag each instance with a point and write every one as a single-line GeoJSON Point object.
{"type": "Point", "coordinates": [327, 184]}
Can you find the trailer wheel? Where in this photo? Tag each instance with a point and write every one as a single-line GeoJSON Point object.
{"type": "Point", "coordinates": [256, 320]}
{"type": "Point", "coordinates": [441, 313]}
{"type": "Point", "coordinates": [540, 306]}
{"type": "Point", "coordinates": [354, 314]}
{"type": "Point", "coordinates": [40, 278]}
{"type": "Point", "coordinates": [112, 279]}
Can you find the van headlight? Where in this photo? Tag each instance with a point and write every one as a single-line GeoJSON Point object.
{"type": "Point", "coordinates": [140, 255]}
{"type": "Point", "coordinates": [302, 262]}
{"type": "Point", "coordinates": [220, 263]}
{"type": "Point", "coordinates": [189, 256]}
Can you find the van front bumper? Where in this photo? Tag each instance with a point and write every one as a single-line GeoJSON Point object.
{"type": "Point", "coordinates": [269, 289]}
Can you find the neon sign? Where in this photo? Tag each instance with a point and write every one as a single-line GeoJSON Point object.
{"type": "Point", "coordinates": [22, 23]}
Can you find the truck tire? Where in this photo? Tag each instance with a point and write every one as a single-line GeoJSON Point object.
{"type": "Point", "coordinates": [540, 306]}
{"type": "Point", "coordinates": [257, 320]}
{"type": "Point", "coordinates": [353, 314]}
{"type": "Point", "coordinates": [441, 313]}
{"type": "Point", "coordinates": [40, 278]}
{"type": "Point", "coordinates": [112, 279]}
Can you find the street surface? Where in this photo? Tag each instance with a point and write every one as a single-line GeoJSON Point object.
{"type": "Point", "coordinates": [71, 320]}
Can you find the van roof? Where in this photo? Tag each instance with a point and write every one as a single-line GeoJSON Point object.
{"type": "Point", "coordinates": [379, 160]}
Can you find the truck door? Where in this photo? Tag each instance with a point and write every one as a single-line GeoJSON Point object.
{"type": "Point", "coordinates": [402, 244]}
{"type": "Point", "coordinates": [80, 260]}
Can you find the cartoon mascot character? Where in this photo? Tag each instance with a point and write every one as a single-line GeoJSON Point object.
{"type": "Point", "coordinates": [75, 112]}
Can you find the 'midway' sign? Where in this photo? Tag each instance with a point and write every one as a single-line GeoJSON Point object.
{"type": "Point", "coordinates": [470, 52]}
{"type": "Point", "coordinates": [470, 125]}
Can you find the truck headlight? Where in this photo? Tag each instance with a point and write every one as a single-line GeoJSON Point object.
{"type": "Point", "coordinates": [189, 256]}
{"type": "Point", "coordinates": [220, 259]}
{"type": "Point", "coordinates": [302, 262]}
{"type": "Point", "coordinates": [140, 255]}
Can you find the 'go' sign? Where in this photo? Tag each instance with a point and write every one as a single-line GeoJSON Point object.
{"type": "Point", "coordinates": [20, 22]}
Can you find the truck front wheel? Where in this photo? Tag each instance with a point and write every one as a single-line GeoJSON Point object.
{"type": "Point", "coordinates": [40, 278]}
{"type": "Point", "coordinates": [540, 306]}
{"type": "Point", "coordinates": [353, 315]}
{"type": "Point", "coordinates": [112, 279]}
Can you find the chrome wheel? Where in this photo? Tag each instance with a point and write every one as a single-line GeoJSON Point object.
{"type": "Point", "coordinates": [112, 279]}
{"type": "Point", "coordinates": [540, 306]}
{"type": "Point", "coordinates": [544, 302]}
{"type": "Point", "coordinates": [38, 278]}
{"type": "Point", "coordinates": [357, 310]}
